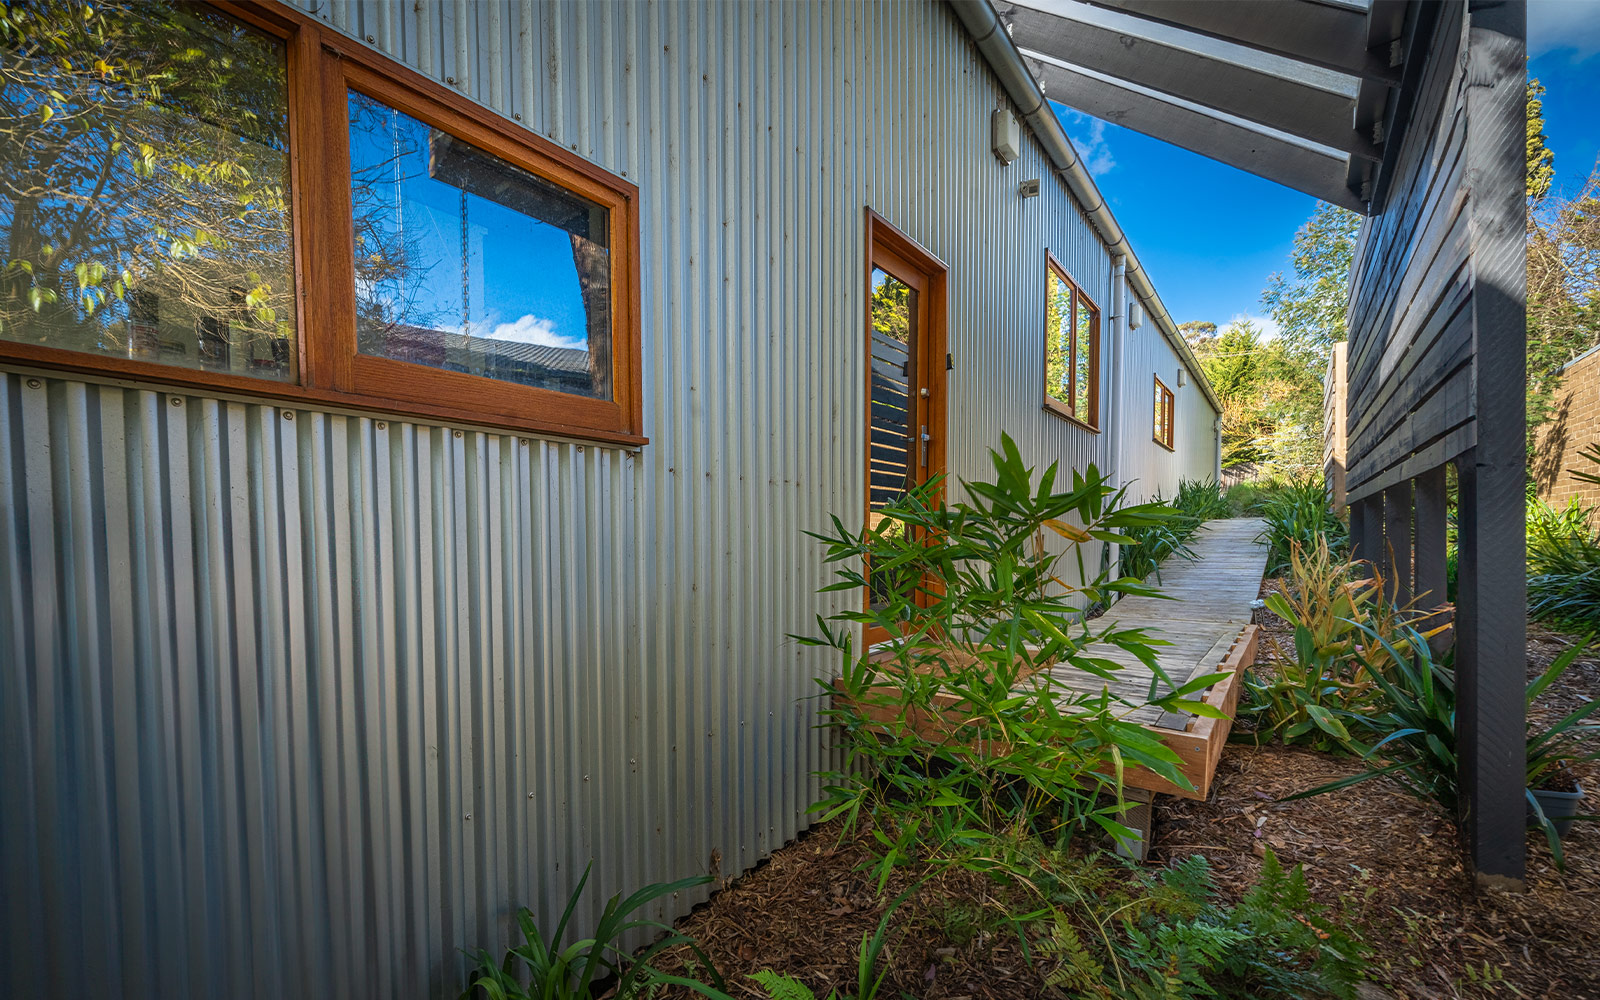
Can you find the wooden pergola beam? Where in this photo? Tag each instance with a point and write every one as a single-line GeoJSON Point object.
{"type": "Point", "coordinates": [1282, 94]}
{"type": "Point", "coordinates": [1299, 164]}
{"type": "Point", "coordinates": [1324, 35]}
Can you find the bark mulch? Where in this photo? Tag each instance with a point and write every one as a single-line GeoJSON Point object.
{"type": "Point", "coordinates": [804, 912]}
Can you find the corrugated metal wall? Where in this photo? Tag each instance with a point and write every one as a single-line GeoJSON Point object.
{"type": "Point", "coordinates": [1148, 468]}
{"type": "Point", "coordinates": [302, 703]}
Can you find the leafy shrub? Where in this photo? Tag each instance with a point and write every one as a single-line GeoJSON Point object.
{"type": "Point", "coordinates": [1201, 499]}
{"type": "Point", "coordinates": [1414, 733]}
{"type": "Point", "coordinates": [1323, 679]}
{"type": "Point", "coordinates": [1299, 512]}
{"type": "Point", "coordinates": [1564, 564]}
{"type": "Point", "coordinates": [956, 729]}
{"type": "Point", "coordinates": [1151, 545]}
{"type": "Point", "coordinates": [552, 969]}
{"type": "Point", "coordinates": [1126, 932]}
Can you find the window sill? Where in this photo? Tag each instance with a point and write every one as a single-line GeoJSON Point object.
{"type": "Point", "coordinates": [1163, 444]}
{"type": "Point", "coordinates": [1051, 406]}
{"type": "Point", "coordinates": [51, 362]}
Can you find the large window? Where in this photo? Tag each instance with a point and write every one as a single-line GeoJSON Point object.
{"type": "Point", "coordinates": [225, 196]}
{"type": "Point", "coordinates": [1071, 349]}
{"type": "Point", "coordinates": [1163, 424]}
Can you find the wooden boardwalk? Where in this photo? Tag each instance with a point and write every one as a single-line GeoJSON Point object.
{"type": "Point", "coordinates": [1208, 603]}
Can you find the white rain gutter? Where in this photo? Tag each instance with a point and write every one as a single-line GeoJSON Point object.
{"type": "Point", "coordinates": [1119, 333]}
{"type": "Point", "coordinates": [995, 44]}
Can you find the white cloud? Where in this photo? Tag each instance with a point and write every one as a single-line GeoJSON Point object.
{"type": "Point", "coordinates": [1265, 325]}
{"type": "Point", "coordinates": [531, 329]}
{"type": "Point", "coordinates": [1088, 135]}
{"type": "Point", "coordinates": [1564, 26]}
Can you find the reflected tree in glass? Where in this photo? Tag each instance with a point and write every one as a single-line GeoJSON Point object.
{"type": "Point", "coordinates": [144, 200]}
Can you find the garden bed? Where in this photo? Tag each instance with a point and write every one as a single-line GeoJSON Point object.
{"type": "Point", "coordinates": [1367, 848]}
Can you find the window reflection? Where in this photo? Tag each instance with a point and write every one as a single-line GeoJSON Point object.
{"type": "Point", "coordinates": [144, 192]}
{"type": "Point", "coordinates": [468, 263]}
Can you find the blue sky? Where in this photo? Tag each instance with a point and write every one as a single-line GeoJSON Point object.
{"type": "Point", "coordinates": [1211, 236]}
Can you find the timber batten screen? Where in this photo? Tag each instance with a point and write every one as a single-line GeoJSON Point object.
{"type": "Point", "coordinates": [1435, 379]}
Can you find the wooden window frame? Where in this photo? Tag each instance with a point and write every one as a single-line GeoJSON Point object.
{"type": "Point", "coordinates": [1169, 411]}
{"type": "Point", "coordinates": [1065, 408]}
{"type": "Point", "coordinates": [322, 64]}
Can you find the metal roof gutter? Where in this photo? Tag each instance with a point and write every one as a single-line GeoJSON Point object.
{"type": "Point", "coordinates": [995, 44]}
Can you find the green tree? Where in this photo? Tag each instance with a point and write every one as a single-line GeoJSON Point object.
{"type": "Point", "coordinates": [1271, 395]}
{"type": "Point", "coordinates": [1541, 160]}
{"type": "Point", "coordinates": [1196, 332]}
{"type": "Point", "coordinates": [1563, 305]}
{"type": "Point", "coordinates": [1309, 307]}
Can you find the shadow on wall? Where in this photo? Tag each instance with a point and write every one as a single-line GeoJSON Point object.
{"type": "Point", "coordinates": [1552, 448]}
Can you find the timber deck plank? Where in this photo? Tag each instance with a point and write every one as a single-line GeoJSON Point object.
{"type": "Point", "coordinates": [1207, 603]}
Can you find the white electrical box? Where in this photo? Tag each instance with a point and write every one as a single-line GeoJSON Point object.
{"type": "Point", "coordinates": [1005, 134]}
{"type": "Point", "coordinates": [1135, 314]}
{"type": "Point", "coordinates": [1183, 377]}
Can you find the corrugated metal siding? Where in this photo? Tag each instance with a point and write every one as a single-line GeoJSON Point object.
{"type": "Point", "coordinates": [1148, 468]}
{"type": "Point", "coordinates": [302, 703]}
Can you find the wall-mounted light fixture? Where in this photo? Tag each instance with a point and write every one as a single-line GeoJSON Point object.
{"type": "Point", "coordinates": [1029, 189]}
{"type": "Point", "coordinates": [1135, 314]}
{"type": "Point", "coordinates": [1005, 135]}
{"type": "Point", "coordinates": [1183, 377]}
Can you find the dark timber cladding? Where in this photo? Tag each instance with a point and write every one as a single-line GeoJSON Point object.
{"type": "Point", "coordinates": [1436, 378]}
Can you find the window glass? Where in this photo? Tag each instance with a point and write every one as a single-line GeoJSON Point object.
{"type": "Point", "coordinates": [469, 263]}
{"type": "Point", "coordinates": [1083, 361]}
{"type": "Point", "coordinates": [1070, 361]}
{"type": "Point", "coordinates": [1058, 338]}
{"type": "Point", "coordinates": [144, 192]}
{"type": "Point", "coordinates": [1164, 418]}
{"type": "Point", "coordinates": [890, 438]}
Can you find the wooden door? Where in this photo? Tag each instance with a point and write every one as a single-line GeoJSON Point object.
{"type": "Point", "coordinates": [906, 365]}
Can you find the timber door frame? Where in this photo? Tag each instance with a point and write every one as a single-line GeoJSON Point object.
{"type": "Point", "coordinates": [899, 255]}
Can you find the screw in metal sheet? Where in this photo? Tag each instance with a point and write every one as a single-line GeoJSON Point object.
{"type": "Point", "coordinates": [530, 795]}
{"type": "Point", "coordinates": [586, 777]}
{"type": "Point", "coordinates": [469, 817]}
{"type": "Point", "coordinates": [371, 40]}
{"type": "Point", "coordinates": [176, 401]}
{"type": "Point", "coordinates": [34, 383]}
{"type": "Point", "coordinates": [383, 425]}
{"type": "Point", "coordinates": [458, 433]}
{"type": "Point", "coordinates": [288, 414]}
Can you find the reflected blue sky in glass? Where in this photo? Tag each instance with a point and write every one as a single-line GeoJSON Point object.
{"type": "Point", "coordinates": [521, 280]}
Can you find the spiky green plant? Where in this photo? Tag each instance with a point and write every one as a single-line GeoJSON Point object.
{"type": "Point", "coordinates": [551, 968]}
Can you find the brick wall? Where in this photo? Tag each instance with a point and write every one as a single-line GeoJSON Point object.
{"type": "Point", "coordinates": [1574, 426]}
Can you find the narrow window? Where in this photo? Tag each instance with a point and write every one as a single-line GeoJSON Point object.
{"type": "Point", "coordinates": [1164, 415]}
{"type": "Point", "coordinates": [1071, 349]}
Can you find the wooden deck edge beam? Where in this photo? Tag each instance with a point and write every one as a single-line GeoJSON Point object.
{"type": "Point", "coordinates": [1199, 746]}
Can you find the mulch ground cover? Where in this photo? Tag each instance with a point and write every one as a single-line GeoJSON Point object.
{"type": "Point", "coordinates": [1394, 860]}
